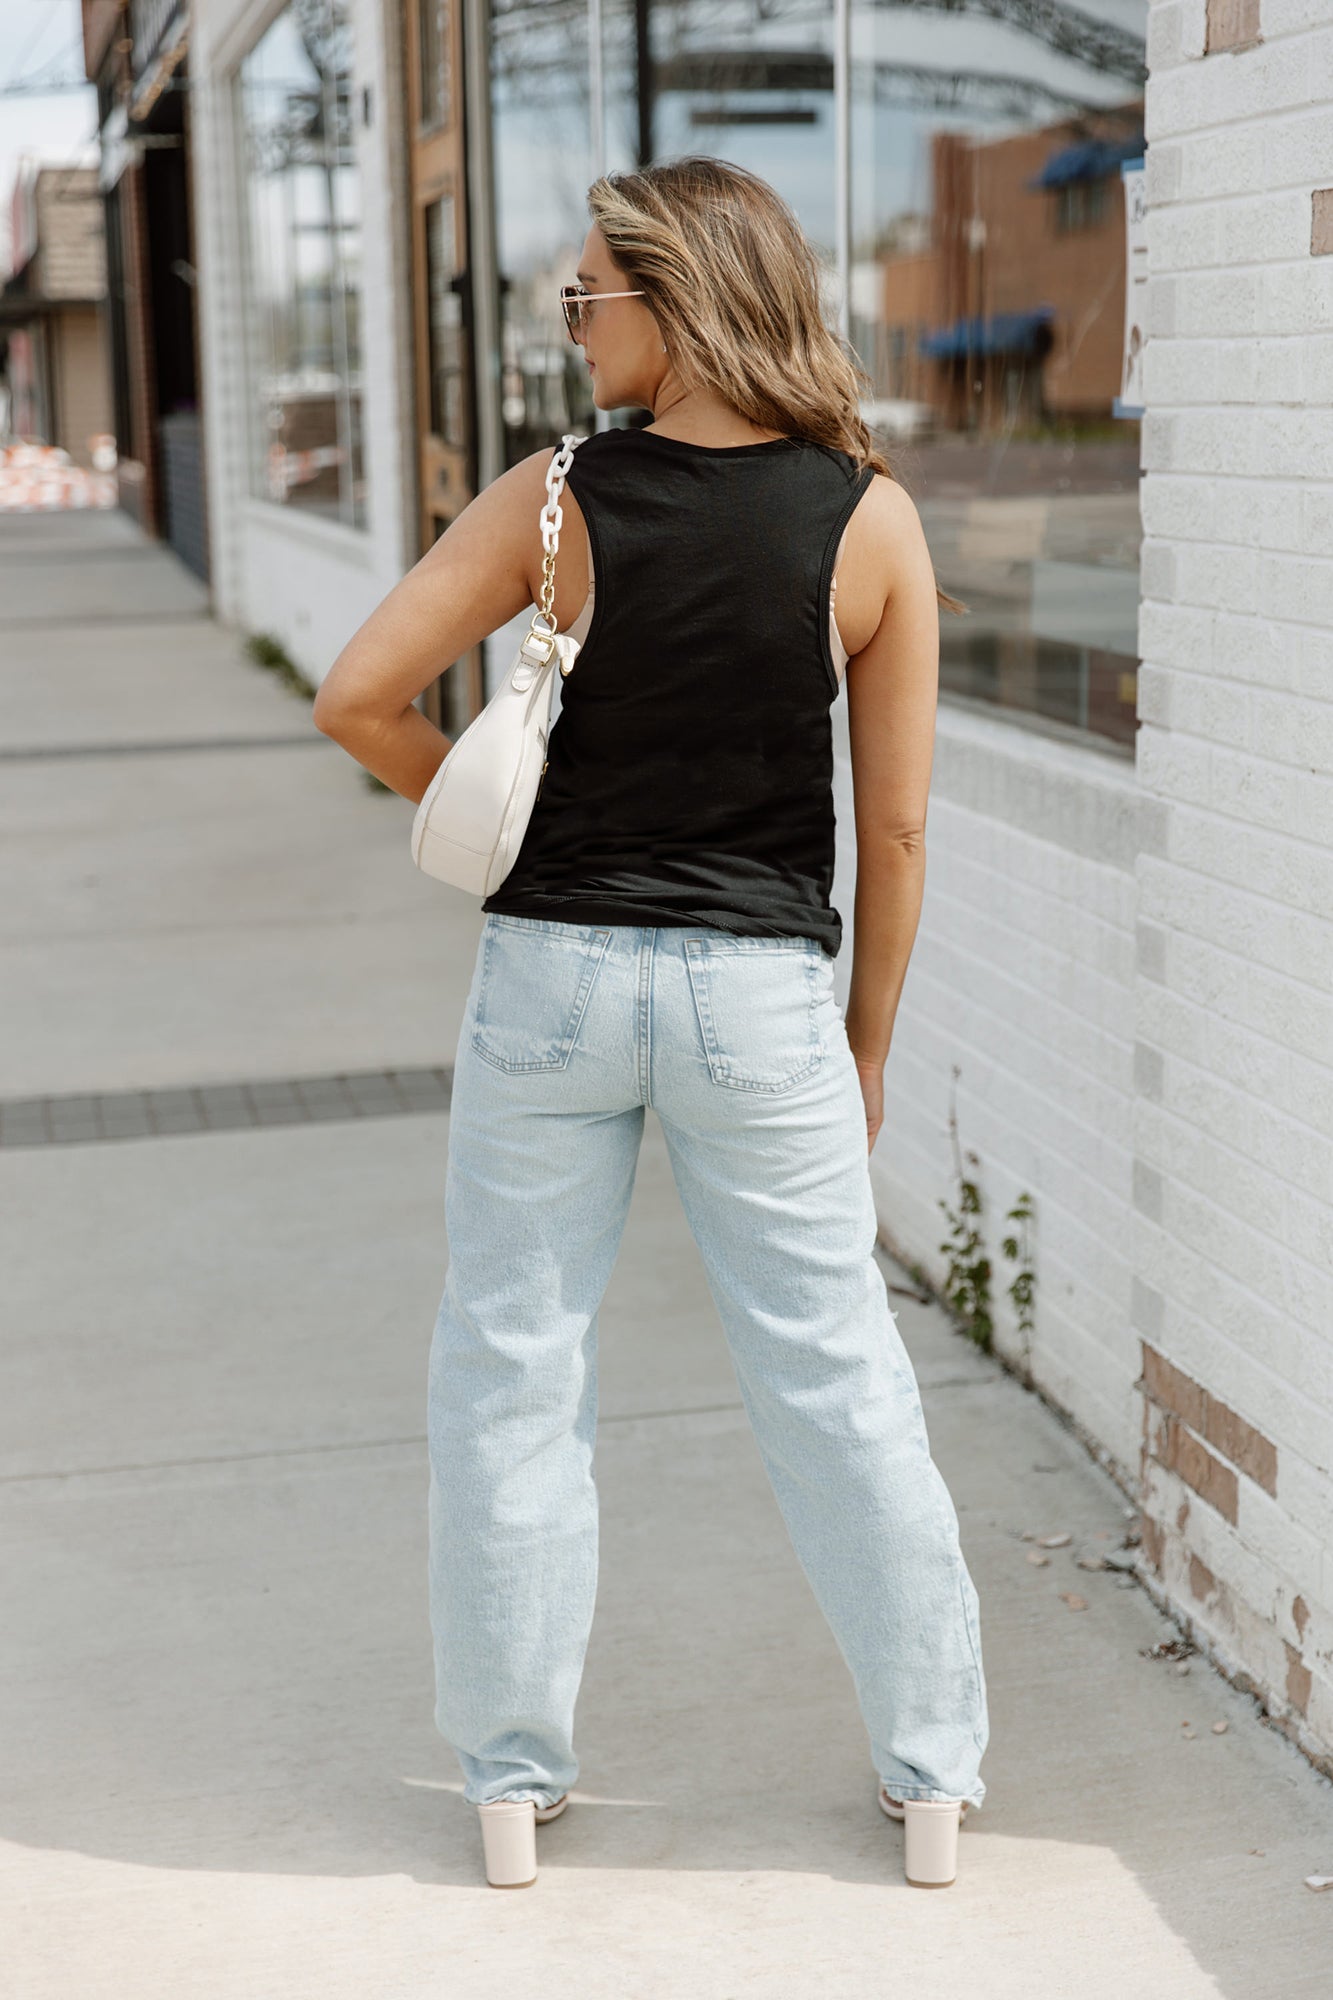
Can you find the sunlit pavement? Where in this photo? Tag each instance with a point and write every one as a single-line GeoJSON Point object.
{"type": "Point", "coordinates": [222, 1778]}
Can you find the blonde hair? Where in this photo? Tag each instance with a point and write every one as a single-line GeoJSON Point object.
{"type": "Point", "coordinates": [735, 286]}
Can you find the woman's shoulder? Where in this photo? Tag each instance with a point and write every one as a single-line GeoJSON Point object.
{"type": "Point", "coordinates": [852, 467]}
{"type": "Point", "coordinates": [523, 486]}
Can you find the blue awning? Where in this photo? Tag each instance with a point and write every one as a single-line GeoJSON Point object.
{"type": "Point", "coordinates": [1002, 333]}
{"type": "Point", "coordinates": [1087, 161]}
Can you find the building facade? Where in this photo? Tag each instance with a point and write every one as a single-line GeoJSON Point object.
{"type": "Point", "coordinates": [136, 52]}
{"type": "Point", "coordinates": [305, 311]}
{"type": "Point", "coordinates": [51, 310]}
{"type": "Point", "coordinates": [1120, 984]}
{"type": "Point", "coordinates": [1231, 1222]}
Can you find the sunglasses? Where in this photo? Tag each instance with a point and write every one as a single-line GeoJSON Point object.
{"type": "Point", "coordinates": [574, 302]}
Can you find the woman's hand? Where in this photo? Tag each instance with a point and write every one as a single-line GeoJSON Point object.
{"type": "Point", "coordinates": [872, 1090]}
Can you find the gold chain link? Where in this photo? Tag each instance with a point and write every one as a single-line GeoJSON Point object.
{"type": "Point", "coordinates": [547, 597]}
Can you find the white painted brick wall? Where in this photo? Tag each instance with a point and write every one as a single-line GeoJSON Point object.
{"type": "Point", "coordinates": [1233, 1116]}
{"type": "Point", "coordinates": [1023, 975]}
{"type": "Point", "coordinates": [1133, 963]}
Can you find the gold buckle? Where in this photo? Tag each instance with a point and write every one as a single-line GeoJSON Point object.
{"type": "Point", "coordinates": [533, 639]}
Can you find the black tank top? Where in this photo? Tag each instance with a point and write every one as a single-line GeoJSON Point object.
{"type": "Point", "coordinates": [689, 772]}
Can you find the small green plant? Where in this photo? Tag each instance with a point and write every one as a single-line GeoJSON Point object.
{"type": "Point", "coordinates": [967, 1285]}
{"type": "Point", "coordinates": [267, 652]}
{"type": "Point", "coordinates": [1017, 1247]}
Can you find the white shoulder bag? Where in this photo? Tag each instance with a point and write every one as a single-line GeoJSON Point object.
{"type": "Point", "coordinates": [470, 824]}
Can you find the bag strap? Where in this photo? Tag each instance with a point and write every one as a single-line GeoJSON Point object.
{"type": "Point", "coordinates": [550, 521]}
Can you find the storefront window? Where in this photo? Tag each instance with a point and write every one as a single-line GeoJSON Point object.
{"type": "Point", "coordinates": [304, 283]}
{"type": "Point", "coordinates": [988, 305]}
{"type": "Point", "coordinates": [985, 285]}
{"type": "Point", "coordinates": [751, 89]}
{"type": "Point", "coordinates": [744, 82]}
{"type": "Point", "coordinates": [542, 165]}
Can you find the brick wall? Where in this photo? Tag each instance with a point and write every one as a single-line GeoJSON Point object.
{"type": "Point", "coordinates": [1233, 1157]}
{"type": "Point", "coordinates": [1023, 976]}
{"type": "Point", "coordinates": [71, 252]}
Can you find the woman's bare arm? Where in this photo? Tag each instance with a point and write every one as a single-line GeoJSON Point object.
{"type": "Point", "coordinates": [478, 575]}
{"type": "Point", "coordinates": [892, 690]}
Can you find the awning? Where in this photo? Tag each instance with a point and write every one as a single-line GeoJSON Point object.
{"type": "Point", "coordinates": [1002, 333]}
{"type": "Point", "coordinates": [1089, 160]}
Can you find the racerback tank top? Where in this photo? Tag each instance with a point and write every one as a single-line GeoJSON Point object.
{"type": "Point", "coordinates": [689, 773]}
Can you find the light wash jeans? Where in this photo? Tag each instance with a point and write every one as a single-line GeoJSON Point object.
{"type": "Point", "coordinates": [739, 1045]}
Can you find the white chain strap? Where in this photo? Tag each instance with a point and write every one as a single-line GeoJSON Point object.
{"type": "Point", "coordinates": [552, 520]}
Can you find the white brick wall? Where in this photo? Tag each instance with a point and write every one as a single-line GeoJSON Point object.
{"type": "Point", "coordinates": [1233, 1120]}
{"type": "Point", "coordinates": [1133, 963]}
{"type": "Point", "coordinates": [307, 581]}
{"type": "Point", "coordinates": [1023, 975]}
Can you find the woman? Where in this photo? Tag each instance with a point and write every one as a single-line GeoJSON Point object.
{"type": "Point", "coordinates": [665, 937]}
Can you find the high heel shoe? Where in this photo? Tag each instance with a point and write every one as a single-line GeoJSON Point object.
{"type": "Point", "coordinates": [930, 1857]}
{"type": "Point", "coordinates": [509, 1839]}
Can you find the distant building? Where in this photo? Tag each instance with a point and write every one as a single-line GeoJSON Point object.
{"type": "Point", "coordinates": [1003, 307]}
{"type": "Point", "coordinates": [51, 307]}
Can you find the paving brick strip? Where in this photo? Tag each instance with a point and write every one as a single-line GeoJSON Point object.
{"type": "Point", "coordinates": [79, 1120]}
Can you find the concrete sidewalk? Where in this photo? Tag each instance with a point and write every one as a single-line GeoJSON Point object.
{"type": "Point", "coordinates": [222, 1778]}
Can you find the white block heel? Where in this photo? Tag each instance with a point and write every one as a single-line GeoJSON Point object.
{"type": "Point", "coordinates": [930, 1845]}
{"type": "Point", "coordinates": [930, 1857]}
{"type": "Point", "coordinates": [509, 1839]}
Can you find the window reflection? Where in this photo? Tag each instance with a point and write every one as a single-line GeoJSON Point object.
{"type": "Point", "coordinates": [988, 295]}
{"type": "Point", "coordinates": [750, 82]}
{"type": "Point", "coordinates": [304, 282]}
{"type": "Point", "coordinates": [986, 283]}
{"type": "Point", "coordinates": [543, 165]}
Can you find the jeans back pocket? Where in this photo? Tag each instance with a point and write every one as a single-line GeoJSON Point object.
{"type": "Point", "coordinates": [535, 981]}
{"type": "Point", "coordinates": [758, 1007]}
